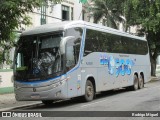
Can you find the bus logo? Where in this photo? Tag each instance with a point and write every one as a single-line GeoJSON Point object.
{"type": "Point", "coordinates": [117, 66]}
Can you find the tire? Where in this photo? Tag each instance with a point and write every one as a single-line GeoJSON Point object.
{"type": "Point", "coordinates": [89, 91]}
{"type": "Point", "coordinates": [135, 84]}
{"type": "Point", "coordinates": [47, 102]}
{"type": "Point", "coordinates": [141, 82]}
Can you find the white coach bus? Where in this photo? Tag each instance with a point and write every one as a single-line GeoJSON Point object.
{"type": "Point", "coordinates": [70, 59]}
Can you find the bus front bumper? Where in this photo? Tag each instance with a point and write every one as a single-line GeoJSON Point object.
{"type": "Point", "coordinates": [54, 91]}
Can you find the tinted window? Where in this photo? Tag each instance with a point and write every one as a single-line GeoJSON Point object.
{"type": "Point", "coordinates": [97, 41]}
{"type": "Point", "coordinates": [38, 57]}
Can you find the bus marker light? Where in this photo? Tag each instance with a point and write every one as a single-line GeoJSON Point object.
{"type": "Point", "coordinates": [34, 90]}
{"type": "Point", "coordinates": [58, 93]}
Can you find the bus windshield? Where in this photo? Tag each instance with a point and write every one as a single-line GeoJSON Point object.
{"type": "Point", "coordinates": [38, 57]}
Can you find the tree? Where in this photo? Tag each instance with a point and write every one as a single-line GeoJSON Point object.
{"type": "Point", "coordinates": [146, 13]}
{"type": "Point", "coordinates": [13, 14]}
{"type": "Point", "coordinates": [142, 13]}
{"type": "Point", "coordinates": [109, 11]}
{"type": "Point", "coordinates": [83, 1]}
{"type": "Point", "coordinates": [6, 46]}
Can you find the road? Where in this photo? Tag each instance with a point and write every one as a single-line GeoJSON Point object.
{"type": "Point", "coordinates": [146, 99]}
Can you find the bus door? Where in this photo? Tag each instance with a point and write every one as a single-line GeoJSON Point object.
{"type": "Point", "coordinates": [72, 66]}
{"type": "Point", "coordinates": [74, 82]}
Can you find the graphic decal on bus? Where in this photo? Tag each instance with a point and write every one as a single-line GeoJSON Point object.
{"type": "Point", "coordinates": [117, 66]}
{"type": "Point", "coordinates": [103, 59]}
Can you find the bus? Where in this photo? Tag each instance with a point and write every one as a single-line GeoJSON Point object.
{"type": "Point", "coordinates": [75, 58]}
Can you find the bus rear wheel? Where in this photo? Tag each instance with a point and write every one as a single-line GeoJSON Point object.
{"type": "Point", "coordinates": [135, 84]}
{"type": "Point", "coordinates": [89, 91]}
{"type": "Point", "coordinates": [47, 102]}
{"type": "Point", "coordinates": [141, 82]}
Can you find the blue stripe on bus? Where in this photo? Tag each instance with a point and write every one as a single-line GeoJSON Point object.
{"type": "Point", "coordinates": [37, 82]}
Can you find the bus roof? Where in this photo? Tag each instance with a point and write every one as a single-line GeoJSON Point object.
{"type": "Point", "coordinates": [45, 28]}
{"type": "Point", "coordinates": [58, 26]}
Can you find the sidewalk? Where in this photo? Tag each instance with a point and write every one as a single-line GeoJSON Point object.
{"type": "Point", "coordinates": [154, 78]}
{"type": "Point", "coordinates": [9, 101]}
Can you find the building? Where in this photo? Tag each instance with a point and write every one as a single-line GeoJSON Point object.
{"type": "Point", "coordinates": [50, 12]}
{"type": "Point", "coordinates": [158, 60]}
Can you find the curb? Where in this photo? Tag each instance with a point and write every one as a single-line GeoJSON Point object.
{"type": "Point", "coordinates": [6, 90]}
{"type": "Point", "coordinates": [155, 78]}
{"type": "Point", "coordinates": [18, 107]}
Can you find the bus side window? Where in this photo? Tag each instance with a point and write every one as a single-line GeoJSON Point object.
{"type": "Point", "coordinates": [72, 53]}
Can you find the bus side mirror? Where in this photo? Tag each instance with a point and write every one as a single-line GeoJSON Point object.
{"type": "Point", "coordinates": [63, 43]}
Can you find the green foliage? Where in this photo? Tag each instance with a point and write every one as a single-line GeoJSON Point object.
{"type": "Point", "coordinates": [142, 13]}
{"type": "Point", "coordinates": [14, 13]}
{"type": "Point", "coordinates": [1, 57]}
{"type": "Point", "coordinates": [146, 14]}
{"type": "Point", "coordinates": [83, 1]}
{"type": "Point", "coordinates": [5, 48]}
{"type": "Point", "coordinates": [110, 11]}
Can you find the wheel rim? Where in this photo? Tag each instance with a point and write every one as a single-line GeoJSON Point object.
{"type": "Point", "coordinates": [140, 82]}
{"type": "Point", "coordinates": [89, 91]}
{"type": "Point", "coordinates": [136, 83]}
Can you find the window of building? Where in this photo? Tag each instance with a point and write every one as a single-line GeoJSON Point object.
{"type": "Point", "coordinates": [83, 14]}
{"type": "Point", "coordinates": [43, 13]}
{"type": "Point", "coordinates": [65, 12]}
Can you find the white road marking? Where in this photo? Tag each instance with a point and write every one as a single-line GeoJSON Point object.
{"type": "Point", "coordinates": [94, 103]}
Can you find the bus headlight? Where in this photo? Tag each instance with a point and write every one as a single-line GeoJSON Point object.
{"type": "Point", "coordinates": [62, 82]}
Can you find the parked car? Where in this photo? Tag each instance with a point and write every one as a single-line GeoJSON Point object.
{"type": "Point", "coordinates": [158, 70]}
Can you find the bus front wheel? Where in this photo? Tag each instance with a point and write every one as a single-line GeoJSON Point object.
{"type": "Point", "coordinates": [89, 91]}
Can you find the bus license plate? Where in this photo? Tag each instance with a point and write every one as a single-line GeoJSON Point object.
{"type": "Point", "coordinates": [35, 96]}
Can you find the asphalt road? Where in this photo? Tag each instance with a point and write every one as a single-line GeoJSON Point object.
{"type": "Point", "coordinates": [146, 99]}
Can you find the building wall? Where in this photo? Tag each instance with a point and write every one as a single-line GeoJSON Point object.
{"type": "Point", "coordinates": [158, 60]}
{"type": "Point", "coordinates": [6, 81]}
{"type": "Point", "coordinates": [54, 13]}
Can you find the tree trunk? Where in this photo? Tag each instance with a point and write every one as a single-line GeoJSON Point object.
{"type": "Point", "coordinates": [153, 67]}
